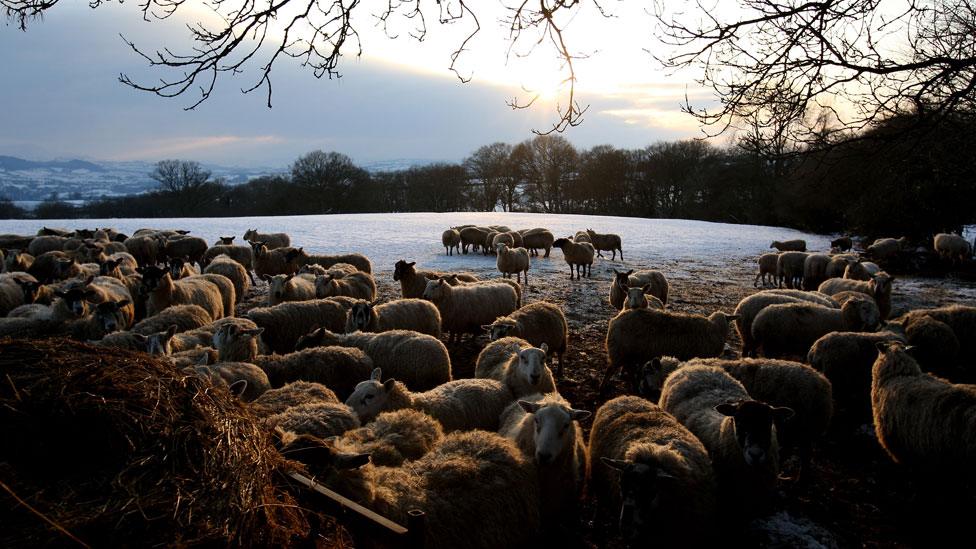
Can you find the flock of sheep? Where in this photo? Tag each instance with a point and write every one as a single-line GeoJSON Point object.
{"type": "Point", "coordinates": [364, 393]}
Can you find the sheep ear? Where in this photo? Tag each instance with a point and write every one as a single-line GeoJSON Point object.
{"type": "Point", "coordinates": [411, 264]}
{"type": "Point", "coordinates": [727, 409]}
{"type": "Point", "coordinates": [630, 272]}
{"type": "Point", "coordinates": [545, 348]}
{"type": "Point", "coordinates": [618, 464]}
{"type": "Point", "coordinates": [253, 333]}
{"type": "Point", "coordinates": [529, 407]}
{"type": "Point", "coordinates": [376, 375]}
{"type": "Point", "coordinates": [389, 384]}
{"type": "Point", "coordinates": [654, 365]}
{"type": "Point", "coordinates": [783, 413]}
{"type": "Point", "coordinates": [171, 331]}
{"type": "Point", "coordinates": [238, 387]}
{"type": "Point", "coordinates": [579, 415]}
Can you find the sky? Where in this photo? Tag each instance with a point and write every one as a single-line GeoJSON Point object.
{"type": "Point", "coordinates": [62, 97]}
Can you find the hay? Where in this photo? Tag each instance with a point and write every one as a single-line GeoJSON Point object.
{"type": "Point", "coordinates": [114, 448]}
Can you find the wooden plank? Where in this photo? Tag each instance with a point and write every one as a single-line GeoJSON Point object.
{"type": "Point", "coordinates": [349, 504]}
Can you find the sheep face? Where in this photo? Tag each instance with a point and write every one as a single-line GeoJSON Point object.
{"type": "Point", "coordinates": [652, 378]}
{"type": "Point", "coordinates": [231, 334]}
{"type": "Point", "coordinates": [861, 315]}
{"type": "Point", "coordinates": [637, 298]}
{"type": "Point", "coordinates": [639, 489]}
{"type": "Point", "coordinates": [107, 268]}
{"type": "Point", "coordinates": [226, 240]}
{"type": "Point", "coordinates": [30, 289]}
{"type": "Point", "coordinates": [319, 337]}
{"type": "Point", "coordinates": [176, 268]}
{"type": "Point", "coordinates": [554, 429]}
{"type": "Point", "coordinates": [325, 286]}
{"type": "Point", "coordinates": [499, 329]}
{"type": "Point", "coordinates": [436, 289]}
{"type": "Point", "coordinates": [755, 432]}
{"type": "Point", "coordinates": [361, 313]}
{"type": "Point", "coordinates": [63, 268]}
{"type": "Point", "coordinates": [158, 344]}
{"type": "Point", "coordinates": [402, 269]}
{"type": "Point", "coordinates": [369, 397]}
{"type": "Point", "coordinates": [531, 363]}
{"type": "Point", "coordinates": [77, 297]}
{"type": "Point", "coordinates": [278, 283]}
{"type": "Point", "coordinates": [249, 234]}
{"type": "Point", "coordinates": [152, 277]}
{"type": "Point", "coordinates": [560, 242]}
{"type": "Point", "coordinates": [110, 317]}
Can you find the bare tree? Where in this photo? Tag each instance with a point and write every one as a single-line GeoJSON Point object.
{"type": "Point", "coordinates": [319, 33]}
{"type": "Point", "coordinates": [548, 163]}
{"type": "Point", "coordinates": [491, 166]}
{"type": "Point", "coordinates": [779, 64]}
{"type": "Point", "coordinates": [327, 179]}
{"type": "Point", "coordinates": [180, 176]}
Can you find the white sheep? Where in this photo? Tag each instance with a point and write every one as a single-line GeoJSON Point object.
{"type": "Point", "coordinates": [538, 323]}
{"type": "Point", "coordinates": [466, 308]}
{"type": "Point", "coordinates": [517, 364]}
{"type": "Point", "coordinates": [513, 261]}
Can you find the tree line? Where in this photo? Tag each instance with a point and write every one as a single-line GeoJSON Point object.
{"type": "Point", "coordinates": [884, 182]}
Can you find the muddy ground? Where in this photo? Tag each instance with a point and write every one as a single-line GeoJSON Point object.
{"type": "Point", "coordinates": [851, 496]}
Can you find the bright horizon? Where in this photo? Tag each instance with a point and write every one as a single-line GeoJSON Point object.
{"type": "Point", "coordinates": [399, 100]}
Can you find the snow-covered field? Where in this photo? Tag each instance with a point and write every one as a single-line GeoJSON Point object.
{"type": "Point", "coordinates": [385, 238]}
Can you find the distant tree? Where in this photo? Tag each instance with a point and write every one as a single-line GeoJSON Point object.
{"type": "Point", "coordinates": [681, 170]}
{"type": "Point", "coordinates": [328, 179]}
{"type": "Point", "coordinates": [180, 176]}
{"type": "Point", "coordinates": [601, 185]}
{"type": "Point", "coordinates": [549, 164]}
{"type": "Point", "coordinates": [491, 166]}
{"type": "Point", "coordinates": [436, 187]}
{"type": "Point", "coordinates": [9, 210]}
{"type": "Point", "coordinates": [55, 209]}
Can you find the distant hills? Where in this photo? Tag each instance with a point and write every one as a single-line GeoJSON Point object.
{"type": "Point", "coordinates": [30, 181]}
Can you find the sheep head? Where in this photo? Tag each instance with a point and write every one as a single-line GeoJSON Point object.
{"type": "Point", "coordinates": [754, 424]}
{"type": "Point", "coordinates": [369, 397]}
{"type": "Point", "coordinates": [555, 428]}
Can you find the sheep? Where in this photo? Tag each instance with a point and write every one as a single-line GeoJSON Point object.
{"type": "Point", "coordinates": [959, 319]}
{"type": "Point", "coordinates": [934, 345]}
{"type": "Point", "coordinates": [486, 246]}
{"type": "Point", "coordinates": [51, 266]}
{"type": "Point", "coordinates": [578, 255]}
{"type": "Point", "coordinates": [581, 236]}
{"type": "Point", "coordinates": [789, 268]}
{"type": "Point", "coordinates": [235, 343]}
{"type": "Point", "coordinates": [886, 248]}
{"type": "Point", "coordinates": [17, 261]}
{"type": "Point", "coordinates": [948, 246]}
{"type": "Point", "coordinates": [464, 309]}
{"type": "Point", "coordinates": [513, 261]}
{"type": "Point", "coordinates": [537, 323]}
{"type": "Point", "coordinates": [338, 368]}
{"type": "Point", "coordinates": [286, 323]}
{"type": "Point", "coordinates": [277, 400]}
{"type": "Point", "coordinates": [275, 261]}
{"type": "Point", "coordinates": [147, 249]}
{"type": "Point", "coordinates": [654, 281]}
{"type": "Point", "coordinates": [224, 240]}
{"type": "Point", "coordinates": [838, 264]}
{"type": "Point", "coordinates": [402, 314]}
{"type": "Point", "coordinates": [162, 292]}
{"type": "Point", "coordinates": [414, 282]}
{"type": "Point", "coordinates": [358, 261]}
{"type": "Point", "coordinates": [43, 244]}
{"type": "Point", "coordinates": [418, 360]}
{"type": "Point", "coordinates": [105, 289]}
{"type": "Point", "coordinates": [494, 239]}
{"type": "Point", "coordinates": [191, 247]}
{"type": "Point", "coordinates": [184, 317]}
{"type": "Point", "coordinates": [119, 265]}
{"type": "Point", "coordinates": [290, 288]}
{"type": "Point", "coordinates": [473, 237]}
{"type": "Point", "coordinates": [180, 268]}
{"type": "Point", "coordinates": [500, 228]}
{"type": "Point", "coordinates": [52, 231]}
{"type": "Point", "coordinates": [451, 239]}
{"type": "Point", "coordinates": [843, 243]}
{"type": "Point", "coordinates": [463, 404]}
{"type": "Point", "coordinates": [500, 503]}
{"type": "Point", "coordinates": [921, 421]}
{"type": "Point", "coordinates": [789, 329]}
{"type": "Point", "coordinates": [738, 432]}
{"type": "Point", "coordinates": [776, 382]}
{"type": "Point", "coordinates": [638, 298]}
{"type": "Point", "coordinates": [224, 265]}
{"type": "Point", "coordinates": [537, 239]}
{"type": "Point", "coordinates": [815, 270]}
{"type": "Point", "coordinates": [393, 438]}
{"type": "Point", "coordinates": [637, 335]}
{"type": "Point", "coordinates": [271, 240]}
{"type": "Point", "coordinates": [252, 381]}
{"type": "Point", "coordinates": [845, 358]}
{"type": "Point", "coordinates": [856, 270]}
{"type": "Point", "coordinates": [767, 266]}
{"type": "Point", "coordinates": [605, 242]}
{"type": "Point", "coordinates": [546, 429]}
{"type": "Point", "coordinates": [879, 287]}
{"type": "Point", "coordinates": [16, 290]}
{"type": "Point", "coordinates": [228, 295]}
{"type": "Point", "coordinates": [15, 241]}
{"type": "Point", "coordinates": [518, 241]}
{"type": "Point", "coordinates": [454, 280]}
{"type": "Point", "coordinates": [517, 364]}
{"type": "Point", "coordinates": [750, 306]}
{"type": "Point", "coordinates": [357, 285]}
{"type": "Point", "coordinates": [317, 419]}
{"type": "Point", "coordinates": [790, 245]}
{"type": "Point", "coordinates": [241, 254]}
{"type": "Point", "coordinates": [315, 270]}
{"type": "Point", "coordinates": [652, 472]}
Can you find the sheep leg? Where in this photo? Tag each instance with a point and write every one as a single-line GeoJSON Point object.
{"type": "Point", "coordinates": [621, 254]}
{"type": "Point", "coordinates": [614, 255]}
{"type": "Point", "coordinates": [547, 252]}
{"type": "Point", "coordinates": [571, 271]}
{"type": "Point", "coordinates": [605, 384]}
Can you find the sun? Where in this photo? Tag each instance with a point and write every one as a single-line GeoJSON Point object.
{"type": "Point", "coordinates": [540, 79]}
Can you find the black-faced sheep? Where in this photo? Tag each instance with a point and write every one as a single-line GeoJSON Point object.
{"type": "Point", "coordinates": [417, 315]}
{"type": "Point", "coordinates": [538, 323]}
{"type": "Point", "coordinates": [651, 472]}
{"type": "Point", "coordinates": [418, 360]}
{"type": "Point", "coordinates": [843, 243]}
{"type": "Point", "coordinates": [459, 405]}
{"type": "Point", "coordinates": [579, 256]}
{"type": "Point", "coordinates": [738, 432]}
{"type": "Point", "coordinates": [517, 364]}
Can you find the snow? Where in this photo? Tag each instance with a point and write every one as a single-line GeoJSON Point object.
{"type": "Point", "coordinates": [682, 245]}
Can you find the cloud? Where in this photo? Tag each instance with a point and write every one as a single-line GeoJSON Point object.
{"type": "Point", "coordinates": [158, 149]}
